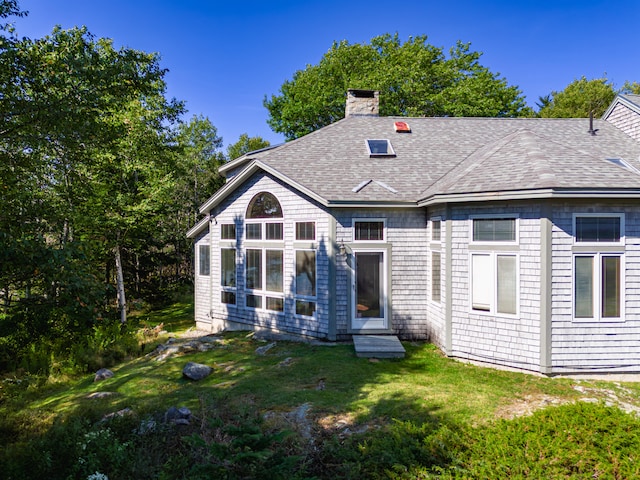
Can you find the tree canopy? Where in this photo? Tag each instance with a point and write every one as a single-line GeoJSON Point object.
{"type": "Point", "coordinates": [579, 99]}
{"type": "Point", "coordinates": [414, 79]}
{"type": "Point", "coordinates": [99, 178]}
{"type": "Point", "coordinates": [246, 144]}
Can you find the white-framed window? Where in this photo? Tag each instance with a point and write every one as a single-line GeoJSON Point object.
{"type": "Point", "coordinates": [494, 281]}
{"type": "Point", "coordinates": [494, 229]}
{"type": "Point", "coordinates": [598, 286]}
{"type": "Point", "coordinates": [204, 260]}
{"type": "Point", "coordinates": [369, 230]}
{"type": "Point", "coordinates": [305, 231]}
{"type": "Point", "coordinates": [228, 275]}
{"type": "Point", "coordinates": [263, 220]}
{"type": "Point", "coordinates": [436, 276]}
{"type": "Point", "coordinates": [598, 267]}
{"type": "Point", "coordinates": [262, 230]}
{"type": "Point", "coordinates": [598, 229]}
{"type": "Point", "coordinates": [264, 265]}
{"type": "Point", "coordinates": [436, 229]}
{"type": "Point", "coordinates": [264, 278]}
{"type": "Point", "coordinates": [305, 282]}
{"type": "Point", "coordinates": [228, 231]}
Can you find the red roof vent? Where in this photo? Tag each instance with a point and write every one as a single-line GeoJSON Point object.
{"type": "Point", "coordinates": [402, 127]}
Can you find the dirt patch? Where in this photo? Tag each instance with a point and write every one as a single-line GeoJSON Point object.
{"type": "Point", "coordinates": [617, 396]}
{"type": "Point", "coordinates": [528, 405]}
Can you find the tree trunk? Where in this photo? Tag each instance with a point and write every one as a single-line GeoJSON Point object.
{"type": "Point", "coordinates": [122, 301]}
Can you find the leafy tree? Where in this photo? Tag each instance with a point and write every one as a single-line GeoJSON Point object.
{"type": "Point", "coordinates": [579, 99]}
{"type": "Point", "coordinates": [86, 154]}
{"type": "Point", "coordinates": [197, 159]}
{"type": "Point", "coordinates": [414, 79]}
{"type": "Point", "coordinates": [246, 144]}
{"type": "Point", "coordinates": [631, 87]}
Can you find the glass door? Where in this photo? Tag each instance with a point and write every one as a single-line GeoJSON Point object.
{"type": "Point", "coordinates": [369, 310]}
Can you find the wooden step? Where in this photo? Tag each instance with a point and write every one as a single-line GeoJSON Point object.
{"type": "Point", "coordinates": [378, 346]}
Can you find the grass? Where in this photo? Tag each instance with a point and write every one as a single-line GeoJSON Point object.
{"type": "Point", "coordinates": [422, 416]}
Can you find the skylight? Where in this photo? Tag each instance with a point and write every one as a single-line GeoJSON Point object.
{"type": "Point", "coordinates": [380, 148]}
{"type": "Point", "coordinates": [621, 163]}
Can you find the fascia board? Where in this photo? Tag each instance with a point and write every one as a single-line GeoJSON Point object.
{"type": "Point", "coordinates": [529, 195]}
{"type": "Point", "coordinates": [623, 100]}
{"type": "Point", "coordinates": [198, 227]}
{"type": "Point", "coordinates": [233, 164]}
{"type": "Point", "coordinates": [370, 204]}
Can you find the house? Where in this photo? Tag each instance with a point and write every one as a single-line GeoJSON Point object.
{"type": "Point", "coordinates": [511, 241]}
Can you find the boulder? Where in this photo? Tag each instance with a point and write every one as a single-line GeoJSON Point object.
{"type": "Point", "coordinates": [196, 371]}
{"type": "Point", "coordinates": [178, 416]}
{"type": "Point", "coordinates": [103, 374]}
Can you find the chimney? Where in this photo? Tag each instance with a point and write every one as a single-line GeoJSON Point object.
{"type": "Point", "coordinates": [362, 103]}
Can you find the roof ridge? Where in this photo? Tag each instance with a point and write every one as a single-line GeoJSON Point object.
{"type": "Point", "coordinates": [468, 164]}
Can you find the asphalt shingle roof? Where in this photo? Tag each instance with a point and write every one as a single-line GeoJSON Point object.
{"type": "Point", "coordinates": [443, 156]}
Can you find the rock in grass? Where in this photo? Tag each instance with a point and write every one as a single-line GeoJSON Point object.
{"type": "Point", "coordinates": [264, 349]}
{"type": "Point", "coordinates": [196, 371]}
{"type": "Point", "coordinates": [178, 416]}
{"type": "Point", "coordinates": [103, 374]}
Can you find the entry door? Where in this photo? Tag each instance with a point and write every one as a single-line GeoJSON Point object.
{"type": "Point", "coordinates": [369, 309]}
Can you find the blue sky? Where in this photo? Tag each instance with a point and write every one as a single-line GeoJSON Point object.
{"type": "Point", "coordinates": [225, 56]}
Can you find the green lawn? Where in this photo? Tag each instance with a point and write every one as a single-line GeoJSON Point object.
{"type": "Point", "coordinates": [419, 417]}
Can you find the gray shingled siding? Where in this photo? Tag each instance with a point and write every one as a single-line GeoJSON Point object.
{"type": "Point", "coordinates": [505, 339]}
{"type": "Point", "coordinates": [295, 209]}
{"type": "Point", "coordinates": [579, 345]}
{"type": "Point", "coordinates": [626, 120]}
{"type": "Point", "coordinates": [202, 287]}
{"type": "Point", "coordinates": [407, 237]}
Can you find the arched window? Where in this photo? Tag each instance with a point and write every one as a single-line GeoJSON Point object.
{"type": "Point", "coordinates": [264, 263]}
{"type": "Point", "coordinates": [264, 205]}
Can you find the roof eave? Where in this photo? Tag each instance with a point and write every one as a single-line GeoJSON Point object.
{"type": "Point", "coordinates": [370, 204]}
{"type": "Point", "coordinates": [620, 98]}
{"type": "Point", "coordinates": [198, 227]}
{"type": "Point", "coordinates": [529, 195]}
